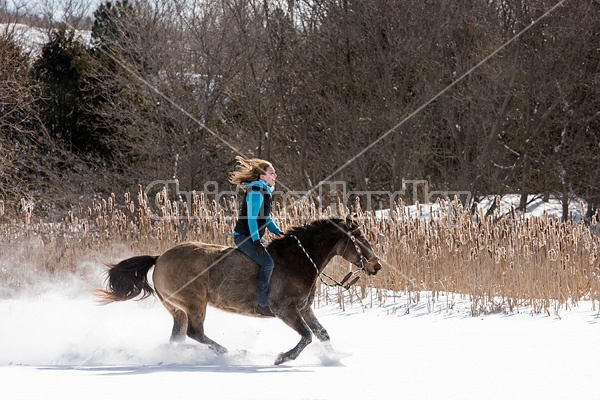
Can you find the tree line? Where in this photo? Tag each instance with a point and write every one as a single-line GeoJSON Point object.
{"type": "Point", "coordinates": [489, 97]}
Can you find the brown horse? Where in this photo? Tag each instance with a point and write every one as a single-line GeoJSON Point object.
{"type": "Point", "coordinates": [189, 276]}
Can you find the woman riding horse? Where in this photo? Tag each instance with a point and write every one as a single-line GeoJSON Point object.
{"type": "Point", "coordinates": [257, 178]}
{"type": "Point", "coordinates": [189, 276]}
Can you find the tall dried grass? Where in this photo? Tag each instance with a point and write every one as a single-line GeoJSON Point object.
{"type": "Point", "coordinates": [498, 263]}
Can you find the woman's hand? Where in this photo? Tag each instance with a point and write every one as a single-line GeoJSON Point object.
{"type": "Point", "coordinates": [260, 249]}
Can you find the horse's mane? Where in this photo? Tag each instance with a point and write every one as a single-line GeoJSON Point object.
{"type": "Point", "coordinates": [308, 232]}
{"type": "Point", "coordinates": [316, 227]}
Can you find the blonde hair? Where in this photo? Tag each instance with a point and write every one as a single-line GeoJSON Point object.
{"type": "Point", "coordinates": [248, 170]}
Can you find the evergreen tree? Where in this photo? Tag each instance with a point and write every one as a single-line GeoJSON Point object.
{"type": "Point", "coordinates": [119, 35]}
{"type": "Point", "coordinates": [108, 24]}
{"type": "Point", "coordinates": [60, 70]}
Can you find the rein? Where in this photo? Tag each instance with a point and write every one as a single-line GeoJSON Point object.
{"type": "Point", "coordinates": [335, 283]}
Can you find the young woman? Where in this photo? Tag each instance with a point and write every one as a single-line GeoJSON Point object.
{"type": "Point", "coordinates": [257, 178]}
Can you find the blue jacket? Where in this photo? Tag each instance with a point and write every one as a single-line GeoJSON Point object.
{"type": "Point", "coordinates": [255, 213]}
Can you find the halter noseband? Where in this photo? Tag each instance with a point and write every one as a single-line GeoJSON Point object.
{"type": "Point", "coordinates": [362, 259]}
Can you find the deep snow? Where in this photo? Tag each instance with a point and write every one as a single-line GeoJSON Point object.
{"type": "Point", "coordinates": [54, 347]}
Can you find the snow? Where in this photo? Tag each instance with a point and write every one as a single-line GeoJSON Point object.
{"type": "Point", "coordinates": [32, 39]}
{"type": "Point", "coordinates": [59, 346]}
{"type": "Point", "coordinates": [536, 207]}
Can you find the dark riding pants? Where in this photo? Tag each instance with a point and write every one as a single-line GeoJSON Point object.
{"type": "Point", "coordinates": [245, 244]}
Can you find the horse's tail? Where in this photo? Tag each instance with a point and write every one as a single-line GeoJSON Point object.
{"type": "Point", "coordinates": [127, 280]}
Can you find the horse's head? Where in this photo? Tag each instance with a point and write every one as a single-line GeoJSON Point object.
{"type": "Point", "coordinates": [357, 249]}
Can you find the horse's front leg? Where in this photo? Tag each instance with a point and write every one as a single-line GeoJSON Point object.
{"type": "Point", "coordinates": [295, 321]}
{"type": "Point", "coordinates": [315, 326]}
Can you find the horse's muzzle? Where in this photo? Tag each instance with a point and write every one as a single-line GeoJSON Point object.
{"type": "Point", "coordinates": [372, 266]}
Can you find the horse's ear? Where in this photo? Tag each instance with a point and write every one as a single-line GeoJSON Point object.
{"type": "Point", "coordinates": [352, 221]}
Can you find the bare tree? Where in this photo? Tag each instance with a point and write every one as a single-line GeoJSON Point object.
{"type": "Point", "coordinates": [199, 80]}
{"type": "Point", "coordinates": [343, 89]}
{"type": "Point", "coordinates": [554, 109]}
{"type": "Point", "coordinates": [75, 13]}
{"type": "Point", "coordinates": [14, 92]}
{"type": "Point", "coordinates": [266, 37]}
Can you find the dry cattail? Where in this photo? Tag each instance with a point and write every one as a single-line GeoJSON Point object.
{"type": "Point", "coordinates": [455, 251]}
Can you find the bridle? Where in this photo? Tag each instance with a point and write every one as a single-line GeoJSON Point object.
{"type": "Point", "coordinates": [362, 259]}
{"type": "Point", "coordinates": [359, 272]}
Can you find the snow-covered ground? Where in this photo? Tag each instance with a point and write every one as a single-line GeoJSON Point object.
{"type": "Point", "coordinates": [32, 40]}
{"type": "Point", "coordinates": [58, 347]}
{"type": "Point", "coordinates": [536, 206]}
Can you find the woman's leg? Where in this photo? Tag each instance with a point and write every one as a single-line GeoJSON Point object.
{"type": "Point", "coordinates": [252, 250]}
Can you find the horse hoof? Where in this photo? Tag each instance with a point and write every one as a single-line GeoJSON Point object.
{"type": "Point", "coordinates": [281, 358]}
{"type": "Point", "coordinates": [219, 349]}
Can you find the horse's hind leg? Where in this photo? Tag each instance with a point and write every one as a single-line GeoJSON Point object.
{"type": "Point", "coordinates": [195, 330]}
{"type": "Point", "coordinates": [180, 325]}
{"type": "Point", "coordinates": [180, 321]}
